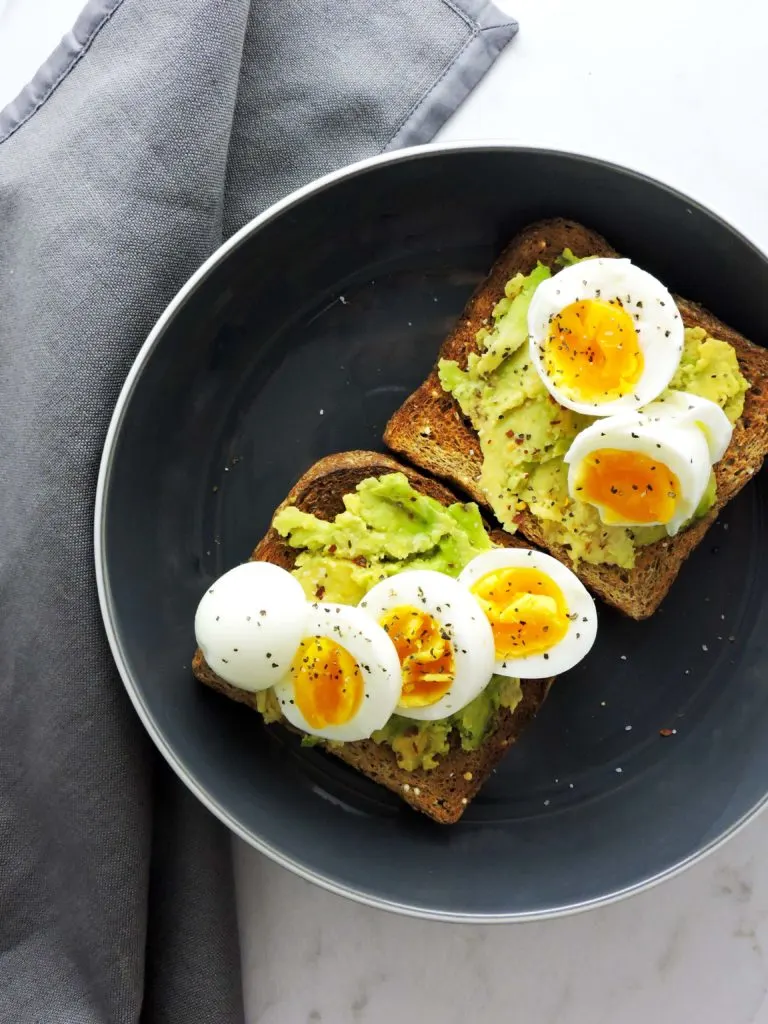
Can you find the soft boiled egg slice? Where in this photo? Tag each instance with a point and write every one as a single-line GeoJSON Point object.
{"type": "Point", "coordinates": [542, 618]}
{"type": "Point", "coordinates": [640, 471]}
{"type": "Point", "coordinates": [443, 642]}
{"type": "Point", "coordinates": [249, 623]}
{"type": "Point", "coordinates": [343, 682]}
{"type": "Point", "coordinates": [685, 408]}
{"type": "Point", "coordinates": [605, 336]}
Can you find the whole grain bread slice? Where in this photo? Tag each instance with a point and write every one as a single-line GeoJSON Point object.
{"type": "Point", "coordinates": [442, 792]}
{"type": "Point", "coordinates": [430, 431]}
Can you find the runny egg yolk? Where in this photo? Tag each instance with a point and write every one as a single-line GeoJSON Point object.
{"type": "Point", "coordinates": [426, 655]}
{"type": "Point", "coordinates": [526, 609]}
{"type": "Point", "coordinates": [592, 350]}
{"type": "Point", "coordinates": [327, 682]}
{"type": "Point", "coordinates": [629, 487]}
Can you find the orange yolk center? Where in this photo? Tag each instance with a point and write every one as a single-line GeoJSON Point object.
{"type": "Point", "coordinates": [526, 609]}
{"type": "Point", "coordinates": [592, 351]}
{"type": "Point", "coordinates": [629, 487]}
{"type": "Point", "coordinates": [426, 655]}
{"type": "Point", "coordinates": [327, 682]}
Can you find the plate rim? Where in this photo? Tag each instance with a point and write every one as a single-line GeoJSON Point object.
{"type": "Point", "coordinates": [107, 607]}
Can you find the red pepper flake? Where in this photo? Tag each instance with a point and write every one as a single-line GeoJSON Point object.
{"type": "Point", "coordinates": [320, 592]}
{"type": "Point", "coordinates": [332, 549]}
{"type": "Point", "coordinates": [361, 561]}
{"type": "Point", "coordinates": [667, 732]}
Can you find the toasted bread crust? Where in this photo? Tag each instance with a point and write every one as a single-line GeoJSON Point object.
{"type": "Point", "coordinates": [443, 792]}
{"type": "Point", "coordinates": [430, 431]}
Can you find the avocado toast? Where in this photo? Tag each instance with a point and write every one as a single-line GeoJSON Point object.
{"type": "Point", "coordinates": [443, 790]}
{"type": "Point", "coordinates": [432, 432]}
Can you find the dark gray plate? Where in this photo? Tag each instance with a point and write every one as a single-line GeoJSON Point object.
{"type": "Point", "coordinates": [299, 338]}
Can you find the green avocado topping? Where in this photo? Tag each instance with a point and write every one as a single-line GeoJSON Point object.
{"type": "Point", "coordinates": [386, 527]}
{"type": "Point", "coordinates": [524, 433]}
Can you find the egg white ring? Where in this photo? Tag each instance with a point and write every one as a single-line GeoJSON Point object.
{"type": "Point", "coordinates": [606, 279]}
{"type": "Point", "coordinates": [582, 627]}
{"type": "Point", "coordinates": [683, 407]}
{"type": "Point", "coordinates": [379, 667]}
{"type": "Point", "coordinates": [249, 622]}
{"type": "Point", "coordinates": [682, 447]}
{"type": "Point", "coordinates": [459, 615]}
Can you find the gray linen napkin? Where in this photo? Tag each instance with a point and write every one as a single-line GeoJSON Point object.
{"type": "Point", "coordinates": [154, 131]}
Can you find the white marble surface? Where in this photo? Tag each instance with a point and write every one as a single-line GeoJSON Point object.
{"type": "Point", "coordinates": [30, 30]}
{"type": "Point", "coordinates": [675, 88]}
{"type": "Point", "coordinates": [692, 951]}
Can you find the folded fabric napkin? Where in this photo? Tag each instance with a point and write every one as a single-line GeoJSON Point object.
{"type": "Point", "coordinates": [154, 132]}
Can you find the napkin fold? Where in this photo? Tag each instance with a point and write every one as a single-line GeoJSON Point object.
{"type": "Point", "coordinates": [152, 133]}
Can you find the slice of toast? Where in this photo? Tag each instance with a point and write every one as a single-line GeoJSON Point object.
{"type": "Point", "coordinates": [443, 792]}
{"type": "Point", "coordinates": [430, 431]}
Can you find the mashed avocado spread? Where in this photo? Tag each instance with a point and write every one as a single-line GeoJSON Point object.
{"type": "Point", "coordinates": [387, 526]}
{"type": "Point", "coordinates": [524, 433]}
